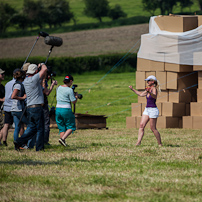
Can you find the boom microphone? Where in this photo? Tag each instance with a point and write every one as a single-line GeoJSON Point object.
{"type": "Point", "coordinates": [53, 41]}
{"type": "Point", "coordinates": [43, 34]}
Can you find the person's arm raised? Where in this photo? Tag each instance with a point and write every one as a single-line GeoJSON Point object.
{"type": "Point", "coordinates": [43, 70]}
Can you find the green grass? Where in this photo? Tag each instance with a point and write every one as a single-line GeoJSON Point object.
{"type": "Point", "coordinates": [110, 96]}
{"type": "Point", "coordinates": [104, 165]}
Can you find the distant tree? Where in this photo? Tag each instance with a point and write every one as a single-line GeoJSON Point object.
{"type": "Point", "coordinates": [96, 8]}
{"type": "Point", "coordinates": [6, 15]}
{"type": "Point", "coordinates": [21, 21]}
{"type": "Point", "coordinates": [185, 3]}
{"type": "Point", "coordinates": [57, 12]}
{"type": "Point", "coordinates": [164, 5]}
{"type": "Point", "coordinates": [34, 12]}
{"type": "Point", "coordinates": [150, 6]}
{"type": "Point", "coordinates": [200, 4]}
{"type": "Point", "coordinates": [116, 12]}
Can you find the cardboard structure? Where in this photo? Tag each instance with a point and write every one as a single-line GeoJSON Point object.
{"type": "Point", "coordinates": [171, 52]}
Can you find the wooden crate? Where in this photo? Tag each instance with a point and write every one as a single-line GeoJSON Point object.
{"type": "Point", "coordinates": [84, 121]}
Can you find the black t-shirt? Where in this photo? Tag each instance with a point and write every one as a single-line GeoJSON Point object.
{"type": "Point", "coordinates": [2, 93]}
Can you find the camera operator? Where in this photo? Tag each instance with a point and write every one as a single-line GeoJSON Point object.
{"type": "Point", "coordinates": [46, 92]}
{"type": "Point", "coordinates": [35, 100]}
{"type": "Point", "coordinates": [64, 116]}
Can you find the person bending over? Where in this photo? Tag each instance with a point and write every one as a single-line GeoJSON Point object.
{"type": "Point", "coordinates": [151, 111]}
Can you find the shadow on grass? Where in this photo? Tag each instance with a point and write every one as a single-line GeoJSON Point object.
{"type": "Point", "coordinates": [31, 162]}
{"type": "Point", "coordinates": [171, 145]}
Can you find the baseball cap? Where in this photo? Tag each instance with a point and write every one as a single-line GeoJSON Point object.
{"type": "Point", "coordinates": [68, 78]}
{"type": "Point", "coordinates": [25, 66]}
{"type": "Point", "coordinates": [1, 71]}
{"type": "Point", "coordinates": [151, 78]}
{"type": "Point", "coordinates": [32, 69]}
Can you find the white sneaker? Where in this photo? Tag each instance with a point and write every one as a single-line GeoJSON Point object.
{"type": "Point", "coordinates": [62, 142]}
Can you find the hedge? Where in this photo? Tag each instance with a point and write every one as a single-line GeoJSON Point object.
{"type": "Point", "coordinates": [78, 65]}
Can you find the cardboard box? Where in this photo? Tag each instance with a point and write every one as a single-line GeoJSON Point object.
{"type": "Point", "coordinates": [168, 122]}
{"type": "Point", "coordinates": [193, 95]}
{"type": "Point", "coordinates": [178, 67]}
{"type": "Point", "coordinates": [199, 20]}
{"type": "Point", "coordinates": [187, 122]}
{"type": "Point", "coordinates": [173, 109]}
{"type": "Point", "coordinates": [179, 81]}
{"type": "Point", "coordinates": [197, 122]}
{"type": "Point", "coordinates": [142, 99]}
{"type": "Point", "coordinates": [177, 23]}
{"type": "Point", "coordinates": [159, 106]}
{"type": "Point", "coordinates": [143, 64]}
{"type": "Point", "coordinates": [199, 95]}
{"type": "Point", "coordinates": [131, 122]}
{"type": "Point", "coordinates": [196, 109]}
{"type": "Point", "coordinates": [180, 96]}
{"type": "Point", "coordinates": [162, 96]}
{"type": "Point", "coordinates": [136, 109]}
{"type": "Point", "coordinates": [200, 80]}
{"type": "Point", "coordinates": [140, 80]}
{"type": "Point", "coordinates": [162, 78]}
{"type": "Point", "coordinates": [187, 109]}
{"type": "Point", "coordinates": [157, 66]}
{"type": "Point", "coordinates": [138, 122]}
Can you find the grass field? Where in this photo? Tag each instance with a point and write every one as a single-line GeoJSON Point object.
{"type": "Point", "coordinates": [105, 165]}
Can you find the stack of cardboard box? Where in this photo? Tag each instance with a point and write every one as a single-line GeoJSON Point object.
{"type": "Point", "coordinates": [179, 102]}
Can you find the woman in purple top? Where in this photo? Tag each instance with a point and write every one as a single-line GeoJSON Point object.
{"type": "Point", "coordinates": [151, 112]}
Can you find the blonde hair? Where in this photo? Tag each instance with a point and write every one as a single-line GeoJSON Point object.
{"type": "Point", "coordinates": [157, 85]}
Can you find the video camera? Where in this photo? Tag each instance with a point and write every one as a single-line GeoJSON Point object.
{"type": "Point", "coordinates": [80, 96]}
{"type": "Point", "coordinates": [50, 73]}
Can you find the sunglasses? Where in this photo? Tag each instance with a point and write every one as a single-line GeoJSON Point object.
{"type": "Point", "coordinates": [2, 74]}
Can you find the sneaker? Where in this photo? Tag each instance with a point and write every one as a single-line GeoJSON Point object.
{"type": "Point", "coordinates": [62, 142]}
{"type": "Point", "coordinates": [17, 147]}
{"type": "Point", "coordinates": [5, 143]}
{"type": "Point", "coordinates": [24, 147]}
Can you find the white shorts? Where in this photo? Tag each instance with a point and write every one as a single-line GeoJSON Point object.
{"type": "Point", "coordinates": [152, 112]}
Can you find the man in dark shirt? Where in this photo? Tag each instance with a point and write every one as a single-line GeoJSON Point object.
{"type": "Point", "coordinates": [2, 97]}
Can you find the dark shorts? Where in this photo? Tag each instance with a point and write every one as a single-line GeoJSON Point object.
{"type": "Point", "coordinates": [8, 118]}
{"type": "Point", "coordinates": [1, 119]}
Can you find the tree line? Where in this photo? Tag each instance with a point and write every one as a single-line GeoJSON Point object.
{"type": "Point", "coordinates": [166, 6]}
{"type": "Point", "coordinates": [52, 13]}
{"type": "Point", "coordinates": [39, 13]}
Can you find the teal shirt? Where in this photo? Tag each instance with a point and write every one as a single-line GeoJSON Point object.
{"type": "Point", "coordinates": [65, 95]}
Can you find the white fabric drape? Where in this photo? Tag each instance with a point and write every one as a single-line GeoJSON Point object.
{"type": "Point", "coordinates": [171, 47]}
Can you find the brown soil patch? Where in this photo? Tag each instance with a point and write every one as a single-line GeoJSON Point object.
{"type": "Point", "coordinates": [81, 43]}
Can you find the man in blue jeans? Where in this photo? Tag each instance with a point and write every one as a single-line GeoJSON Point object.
{"type": "Point", "coordinates": [35, 101]}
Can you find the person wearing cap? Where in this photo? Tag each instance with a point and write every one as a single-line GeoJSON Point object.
{"type": "Point", "coordinates": [64, 116]}
{"type": "Point", "coordinates": [2, 98]}
{"type": "Point", "coordinates": [35, 101]}
{"type": "Point", "coordinates": [8, 118]}
{"type": "Point", "coordinates": [25, 66]}
{"type": "Point", "coordinates": [151, 111]}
